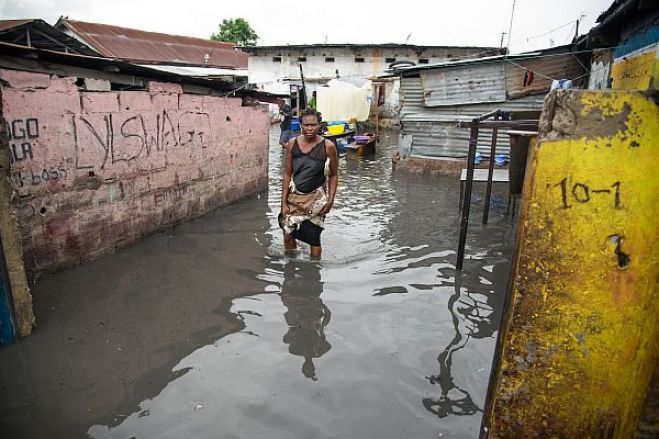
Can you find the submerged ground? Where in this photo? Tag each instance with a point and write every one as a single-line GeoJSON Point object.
{"type": "Point", "coordinates": [210, 331]}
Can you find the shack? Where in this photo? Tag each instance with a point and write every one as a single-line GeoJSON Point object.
{"type": "Point", "coordinates": [97, 153]}
{"type": "Point", "coordinates": [434, 98]}
{"type": "Point", "coordinates": [625, 46]}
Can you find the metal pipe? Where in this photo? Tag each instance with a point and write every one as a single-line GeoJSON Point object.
{"type": "Point", "coordinates": [488, 191]}
{"type": "Point", "coordinates": [303, 97]}
{"type": "Point", "coordinates": [482, 117]}
{"type": "Point", "coordinates": [466, 202]}
{"type": "Point", "coordinates": [510, 124]}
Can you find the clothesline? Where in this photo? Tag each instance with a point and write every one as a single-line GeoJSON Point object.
{"type": "Point", "coordinates": [588, 72]}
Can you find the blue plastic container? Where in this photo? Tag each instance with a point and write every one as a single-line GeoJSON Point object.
{"type": "Point", "coordinates": [295, 124]}
{"type": "Point", "coordinates": [341, 145]}
{"type": "Point", "coordinates": [500, 159]}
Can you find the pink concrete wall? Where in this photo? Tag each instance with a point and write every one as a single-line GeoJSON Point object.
{"type": "Point", "coordinates": [93, 171]}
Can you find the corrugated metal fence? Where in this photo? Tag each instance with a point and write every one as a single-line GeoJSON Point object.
{"type": "Point", "coordinates": [434, 130]}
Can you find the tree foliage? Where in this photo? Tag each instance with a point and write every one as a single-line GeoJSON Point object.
{"type": "Point", "coordinates": [236, 30]}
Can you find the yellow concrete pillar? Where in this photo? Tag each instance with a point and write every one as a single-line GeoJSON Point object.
{"type": "Point", "coordinates": [580, 335]}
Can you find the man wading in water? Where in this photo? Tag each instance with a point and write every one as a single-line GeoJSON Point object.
{"type": "Point", "coordinates": [310, 180]}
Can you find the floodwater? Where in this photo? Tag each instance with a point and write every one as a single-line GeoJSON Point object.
{"type": "Point", "coordinates": [210, 331]}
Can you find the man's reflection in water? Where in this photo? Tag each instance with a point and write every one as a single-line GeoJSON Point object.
{"type": "Point", "coordinates": [307, 315]}
{"type": "Point", "coordinates": [472, 317]}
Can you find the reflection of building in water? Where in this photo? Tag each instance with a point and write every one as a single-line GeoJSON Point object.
{"type": "Point", "coordinates": [307, 315]}
{"type": "Point", "coordinates": [472, 317]}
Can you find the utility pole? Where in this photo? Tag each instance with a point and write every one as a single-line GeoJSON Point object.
{"type": "Point", "coordinates": [510, 29]}
{"type": "Point", "coordinates": [576, 31]}
{"type": "Point", "coordinates": [502, 35]}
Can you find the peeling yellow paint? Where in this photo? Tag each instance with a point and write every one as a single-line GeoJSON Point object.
{"type": "Point", "coordinates": [636, 71]}
{"type": "Point", "coordinates": [585, 281]}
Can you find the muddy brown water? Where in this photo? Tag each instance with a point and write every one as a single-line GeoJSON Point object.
{"type": "Point", "coordinates": [210, 331]}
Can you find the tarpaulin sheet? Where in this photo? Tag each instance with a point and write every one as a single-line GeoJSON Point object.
{"type": "Point", "coordinates": [342, 100]}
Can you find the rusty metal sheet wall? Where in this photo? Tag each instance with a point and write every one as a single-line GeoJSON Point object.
{"type": "Point", "coordinates": [556, 67]}
{"type": "Point", "coordinates": [434, 130]}
{"type": "Point", "coordinates": [468, 84]}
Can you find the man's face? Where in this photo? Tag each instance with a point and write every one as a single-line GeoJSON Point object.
{"type": "Point", "coordinates": [309, 126]}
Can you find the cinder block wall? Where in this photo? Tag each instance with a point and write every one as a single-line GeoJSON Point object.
{"type": "Point", "coordinates": [95, 170]}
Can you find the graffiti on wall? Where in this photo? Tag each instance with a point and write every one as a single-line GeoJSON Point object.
{"type": "Point", "coordinates": [103, 140]}
{"type": "Point", "coordinates": [22, 132]}
{"type": "Point", "coordinates": [23, 137]}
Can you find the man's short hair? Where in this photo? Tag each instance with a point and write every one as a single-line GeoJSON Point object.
{"type": "Point", "coordinates": [310, 112]}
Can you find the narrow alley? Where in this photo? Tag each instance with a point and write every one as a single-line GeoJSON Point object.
{"type": "Point", "coordinates": [210, 328]}
{"type": "Point", "coordinates": [386, 221]}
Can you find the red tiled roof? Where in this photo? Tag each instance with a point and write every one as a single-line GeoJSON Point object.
{"type": "Point", "coordinates": [153, 47]}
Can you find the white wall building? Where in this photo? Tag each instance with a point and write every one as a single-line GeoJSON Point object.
{"type": "Point", "coordinates": [275, 69]}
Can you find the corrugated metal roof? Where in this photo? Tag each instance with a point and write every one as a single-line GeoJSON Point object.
{"type": "Point", "coordinates": [37, 33]}
{"type": "Point", "coordinates": [198, 72]}
{"type": "Point", "coordinates": [617, 9]}
{"type": "Point", "coordinates": [152, 47]}
{"type": "Point", "coordinates": [483, 60]}
{"type": "Point", "coordinates": [19, 57]}
{"type": "Point", "coordinates": [434, 130]}
{"type": "Point", "coordinates": [465, 84]}
{"type": "Point", "coordinates": [10, 24]}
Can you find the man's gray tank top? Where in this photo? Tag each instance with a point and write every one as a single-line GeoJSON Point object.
{"type": "Point", "coordinates": [309, 168]}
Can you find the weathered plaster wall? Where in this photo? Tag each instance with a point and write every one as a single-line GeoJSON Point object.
{"type": "Point", "coordinates": [92, 171]}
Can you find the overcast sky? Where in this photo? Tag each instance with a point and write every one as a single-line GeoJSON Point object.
{"type": "Point", "coordinates": [536, 23]}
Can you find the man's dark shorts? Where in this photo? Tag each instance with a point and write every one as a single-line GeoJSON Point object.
{"type": "Point", "coordinates": [306, 231]}
{"type": "Point", "coordinates": [285, 136]}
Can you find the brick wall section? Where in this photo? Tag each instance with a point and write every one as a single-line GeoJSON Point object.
{"type": "Point", "coordinates": [93, 171]}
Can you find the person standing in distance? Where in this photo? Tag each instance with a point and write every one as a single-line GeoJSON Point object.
{"type": "Point", "coordinates": [286, 124]}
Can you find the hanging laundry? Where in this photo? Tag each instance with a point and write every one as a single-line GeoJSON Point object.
{"type": "Point", "coordinates": [528, 78]}
{"type": "Point", "coordinates": [561, 84]}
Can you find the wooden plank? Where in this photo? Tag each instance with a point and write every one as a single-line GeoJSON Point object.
{"type": "Point", "coordinates": [498, 175]}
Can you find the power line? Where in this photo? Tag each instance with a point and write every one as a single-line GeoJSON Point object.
{"type": "Point", "coordinates": [571, 22]}
{"type": "Point", "coordinates": [510, 29]}
{"type": "Point", "coordinates": [571, 31]}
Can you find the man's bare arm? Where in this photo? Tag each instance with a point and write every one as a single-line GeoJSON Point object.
{"type": "Point", "coordinates": [288, 172]}
{"type": "Point", "coordinates": [333, 156]}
